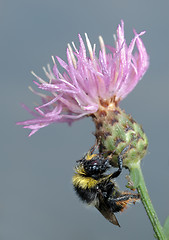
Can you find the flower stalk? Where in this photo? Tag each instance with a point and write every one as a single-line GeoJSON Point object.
{"type": "Point", "coordinates": [139, 183]}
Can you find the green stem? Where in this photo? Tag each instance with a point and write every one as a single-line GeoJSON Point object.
{"type": "Point", "coordinates": [138, 180]}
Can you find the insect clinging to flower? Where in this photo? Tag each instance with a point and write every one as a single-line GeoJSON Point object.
{"type": "Point", "coordinates": [96, 188]}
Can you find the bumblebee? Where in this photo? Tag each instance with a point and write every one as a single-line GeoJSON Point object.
{"type": "Point", "coordinates": [96, 188]}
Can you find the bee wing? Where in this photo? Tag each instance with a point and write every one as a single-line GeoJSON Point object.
{"type": "Point", "coordinates": [106, 211]}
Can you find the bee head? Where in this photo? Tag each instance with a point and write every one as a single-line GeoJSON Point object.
{"type": "Point", "coordinates": [95, 164]}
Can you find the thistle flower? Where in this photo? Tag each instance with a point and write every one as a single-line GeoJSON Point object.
{"type": "Point", "coordinates": [88, 81]}
{"type": "Point", "coordinates": [94, 86]}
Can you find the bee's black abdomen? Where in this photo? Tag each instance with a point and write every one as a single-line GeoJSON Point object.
{"type": "Point", "coordinates": [86, 195]}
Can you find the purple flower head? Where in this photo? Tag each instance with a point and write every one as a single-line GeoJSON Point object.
{"type": "Point", "coordinates": [88, 80]}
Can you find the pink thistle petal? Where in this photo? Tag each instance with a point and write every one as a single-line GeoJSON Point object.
{"type": "Point", "coordinates": [85, 81]}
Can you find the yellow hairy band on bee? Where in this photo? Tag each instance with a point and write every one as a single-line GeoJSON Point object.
{"type": "Point", "coordinates": [83, 181]}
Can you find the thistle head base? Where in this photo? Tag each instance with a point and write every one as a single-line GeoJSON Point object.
{"type": "Point", "coordinates": [116, 131]}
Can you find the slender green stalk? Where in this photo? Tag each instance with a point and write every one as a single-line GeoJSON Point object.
{"type": "Point", "coordinates": [138, 180]}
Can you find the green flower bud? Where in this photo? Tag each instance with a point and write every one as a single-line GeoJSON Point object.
{"type": "Point", "coordinates": [119, 134]}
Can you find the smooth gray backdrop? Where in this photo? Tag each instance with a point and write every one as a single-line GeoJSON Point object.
{"type": "Point", "coordinates": [37, 201]}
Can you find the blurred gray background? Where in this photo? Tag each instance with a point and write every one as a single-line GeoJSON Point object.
{"type": "Point", "coordinates": [37, 201]}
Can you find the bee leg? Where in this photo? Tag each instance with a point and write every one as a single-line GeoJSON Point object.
{"type": "Point", "coordinates": [125, 198]}
{"type": "Point", "coordinates": [117, 204]}
{"type": "Point", "coordinates": [120, 162]}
